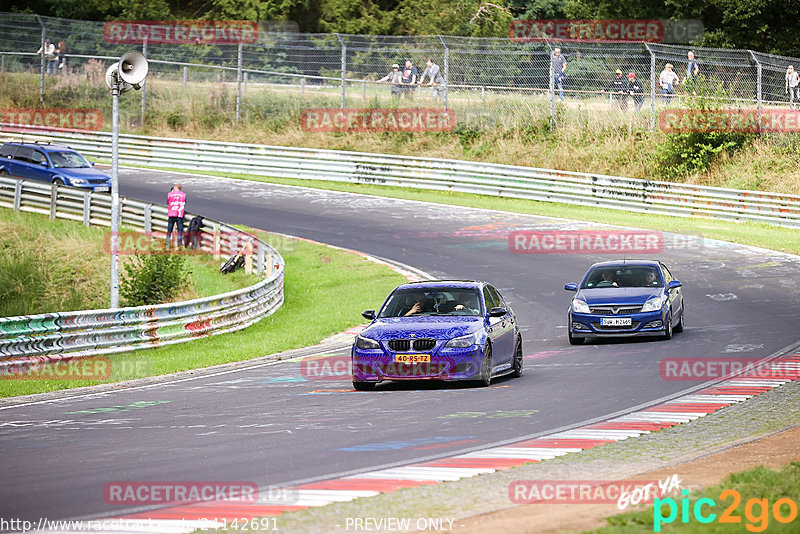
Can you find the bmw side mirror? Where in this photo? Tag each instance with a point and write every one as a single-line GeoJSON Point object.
{"type": "Point", "coordinates": [572, 286]}
{"type": "Point", "coordinates": [368, 314]}
{"type": "Point", "coordinates": [497, 312]}
{"type": "Point", "coordinates": [673, 285]}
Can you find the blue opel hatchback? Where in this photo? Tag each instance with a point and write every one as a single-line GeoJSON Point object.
{"type": "Point", "coordinates": [54, 164]}
{"type": "Point", "coordinates": [625, 298]}
{"type": "Point", "coordinates": [439, 330]}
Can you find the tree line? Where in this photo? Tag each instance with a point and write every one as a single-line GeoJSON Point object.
{"type": "Point", "coordinates": [771, 26]}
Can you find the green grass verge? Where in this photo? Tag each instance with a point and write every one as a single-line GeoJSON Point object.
{"type": "Point", "coordinates": [325, 291]}
{"type": "Point", "coordinates": [747, 233]}
{"type": "Point", "coordinates": [752, 514]}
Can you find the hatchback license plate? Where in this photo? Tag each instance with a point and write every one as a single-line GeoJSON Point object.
{"type": "Point", "coordinates": [412, 358]}
{"type": "Point", "coordinates": [615, 321]}
{"type": "Point", "coordinates": [101, 189]}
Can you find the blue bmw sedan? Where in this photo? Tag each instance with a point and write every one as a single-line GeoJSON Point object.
{"type": "Point", "coordinates": [625, 298]}
{"type": "Point", "coordinates": [439, 330]}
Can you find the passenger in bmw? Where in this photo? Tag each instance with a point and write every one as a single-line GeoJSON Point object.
{"type": "Point", "coordinates": [419, 304]}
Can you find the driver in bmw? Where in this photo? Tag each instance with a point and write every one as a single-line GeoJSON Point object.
{"type": "Point", "coordinates": [419, 303]}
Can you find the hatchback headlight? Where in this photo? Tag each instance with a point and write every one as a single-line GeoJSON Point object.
{"type": "Point", "coordinates": [77, 181]}
{"type": "Point", "coordinates": [579, 306]}
{"type": "Point", "coordinates": [366, 343]}
{"type": "Point", "coordinates": [653, 304]}
{"type": "Point", "coordinates": [462, 342]}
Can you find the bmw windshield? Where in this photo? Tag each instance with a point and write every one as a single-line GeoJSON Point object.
{"type": "Point", "coordinates": [439, 301]}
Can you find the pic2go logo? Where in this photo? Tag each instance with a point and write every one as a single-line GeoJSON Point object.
{"type": "Point", "coordinates": [756, 511]}
{"type": "Point", "coordinates": [327, 368]}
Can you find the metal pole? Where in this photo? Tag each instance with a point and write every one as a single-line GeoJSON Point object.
{"type": "Point", "coordinates": [144, 85]}
{"type": "Point", "coordinates": [44, 36]}
{"type": "Point", "coordinates": [758, 85]}
{"type": "Point", "coordinates": [344, 70]}
{"type": "Point", "coordinates": [244, 84]}
{"type": "Point", "coordinates": [3, 64]}
{"type": "Point", "coordinates": [239, 82]}
{"type": "Point", "coordinates": [446, 69]}
{"type": "Point", "coordinates": [652, 88]}
{"type": "Point", "coordinates": [552, 87]}
{"type": "Point", "coordinates": [115, 197]}
{"type": "Point", "coordinates": [185, 76]}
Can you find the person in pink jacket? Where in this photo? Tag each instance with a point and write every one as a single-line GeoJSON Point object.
{"type": "Point", "coordinates": [176, 205]}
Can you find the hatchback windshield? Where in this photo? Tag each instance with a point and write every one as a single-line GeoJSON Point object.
{"type": "Point", "coordinates": [438, 301]}
{"type": "Point", "coordinates": [622, 276]}
{"type": "Point", "coordinates": [68, 160]}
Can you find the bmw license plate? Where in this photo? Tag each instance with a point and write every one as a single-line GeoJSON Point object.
{"type": "Point", "coordinates": [615, 321]}
{"type": "Point", "coordinates": [101, 189]}
{"type": "Point", "coordinates": [412, 358]}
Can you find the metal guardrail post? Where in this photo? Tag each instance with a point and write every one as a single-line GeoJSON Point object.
{"type": "Point", "coordinates": [148, 218]}
{"type": "Point", "coordinates": [17, 194]}
{"type": "Point", "coordinates": [215, 228]}
{"type": "Point", "coordinates": [260, 258]}
{"type": "Point", "coordinates": [53, 201]}
{"type": "Point", "coordinates": [652, 87]}
{"type": "Point", "coordinates": [87, 208]}
{"type": "Point", "coordinates": [302, 86]}
{"type": "Point", "coordinates": [239, 81]}
{"type": "Point", "coordinates": [344, 70]}
{"type": "Point", "coordinates": [364, 90]}
{"type": "Point", "coordinates": [3, 64]}
{"type": "Point", "coordinates": [270, 264]}
{"type": "Point", "coordinates": [185, 76]}
{"type": "Point", "coordinates": [248, 256]}
{"type": "Point", "coordinates": [446, 69]}
{"type": "Point", "coordinates": [244, 84]}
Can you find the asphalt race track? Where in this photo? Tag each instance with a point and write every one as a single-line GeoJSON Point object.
{"type": "Point", "coordinates": [271, 425]}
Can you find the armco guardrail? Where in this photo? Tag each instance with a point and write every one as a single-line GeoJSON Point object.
{"type": "Point", "coordinates": [94, 332]}
{"type": "Point", "coordinates": [629, 194]}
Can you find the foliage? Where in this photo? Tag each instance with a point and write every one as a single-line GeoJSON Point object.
{"type": "Point", "coordinates": [692, 152]}
{"type": "Point", "coordinates": [153, 278]}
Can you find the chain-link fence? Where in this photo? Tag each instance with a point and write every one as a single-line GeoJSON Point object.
{"type": "Point", "coordinates": [485, 80]}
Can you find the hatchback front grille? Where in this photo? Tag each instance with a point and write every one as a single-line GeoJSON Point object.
{"type": "Point", "coordinates": [614, 310]}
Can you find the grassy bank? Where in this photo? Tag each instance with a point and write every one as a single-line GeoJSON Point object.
{"type": "Point", "coordinates": [48, 266]}
{"type": "Point", "coordinates": [509, 129]}
{"type": "Point", "coordinates": [758, 490]}
{"type": "Point", "coordinates": [325, 292]}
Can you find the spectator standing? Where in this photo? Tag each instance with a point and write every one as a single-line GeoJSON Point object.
{"type": "Point", "coordinates": [395, 78]}
{"type": "Point", "coordinates": [558, 68]}
{"type": "Point", "coordinates": [692, 67]}
{"type": "Point", "coordinates": [409, 80]}
{"type": "Point", "coordinates": [49, 51]}
{"type": "Point", "coordinates": [619, 88]}
{"type": "Point", "coordinates": [792, 85]}
{"type": "Point", "coordinates": [61, 57]}
{"type": "Point", "coordinates": [436, 80]}
{"type": "Point", "coordinates": [636, 91]}
{"type": "Point", "coordinates": [667, 80]}
{"type": "Point", "coordinates": [176, 205]}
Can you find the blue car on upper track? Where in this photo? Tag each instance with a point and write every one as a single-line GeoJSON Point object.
{"type": "Point", "coordinates": [440, 330]}
{"type": "Point", "coordinates": [625, 298]}
{"type": "Point", "coordinates": [53, 164]}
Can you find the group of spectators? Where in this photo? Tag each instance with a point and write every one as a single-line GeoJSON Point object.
{"type": "Point", "coordinates": [403, 82]}
{"type": "Point", "coordinates": [55, 58]}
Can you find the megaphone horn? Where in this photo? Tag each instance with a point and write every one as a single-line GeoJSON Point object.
{"type": "Point", "coordinates": [133, 67]}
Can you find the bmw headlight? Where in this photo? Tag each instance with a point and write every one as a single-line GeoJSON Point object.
{"type": "Point", "coordinates": [579, 306]}
{"type": "Point", "coordinates": [462, 342]}
{"type": "Point", "coordinates": [366, 343]}
{"type": "Point", "coordinates": [653, 304]}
